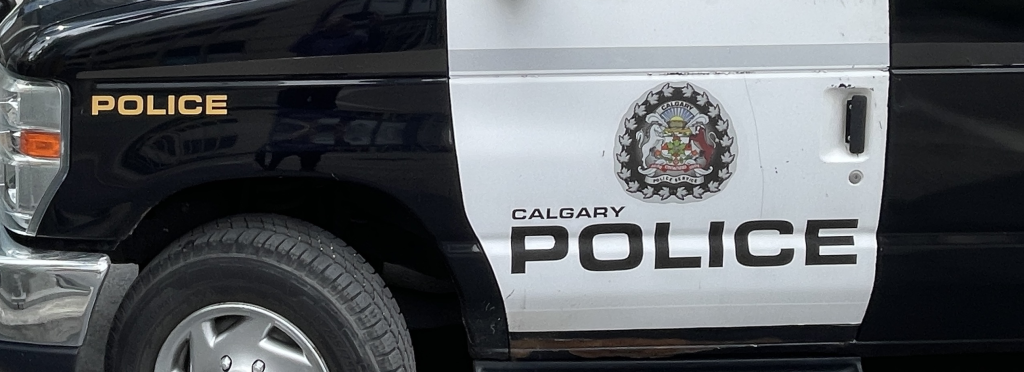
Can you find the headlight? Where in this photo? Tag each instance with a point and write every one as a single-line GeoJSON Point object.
{"type": "Point", "coordinates": [33, 147]}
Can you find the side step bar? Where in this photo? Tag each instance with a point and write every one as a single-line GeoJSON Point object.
{"type": "Point", "coordinates": [721, 365]}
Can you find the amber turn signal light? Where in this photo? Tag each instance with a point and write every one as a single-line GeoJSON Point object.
{"type": "Point", "coordinates": [40, 144]}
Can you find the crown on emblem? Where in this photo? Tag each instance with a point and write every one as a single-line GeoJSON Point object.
{"type": "Point", "coordinates": [677, 122]}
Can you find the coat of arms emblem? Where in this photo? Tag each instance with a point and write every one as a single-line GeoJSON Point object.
{"type": "Point", "coordinates": [675, 144]}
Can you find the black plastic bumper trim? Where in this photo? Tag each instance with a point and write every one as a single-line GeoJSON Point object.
{"type": "Point", "coordinates": [16, 357]}
{"type": "Point", "coordinates": [724, 365]}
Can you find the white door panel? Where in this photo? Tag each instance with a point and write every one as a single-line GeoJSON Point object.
{"type": "Point", "coordinates": [541, 36]}
{"type": "Point", "coordinates": [636, 23]}
{"type": "Point", "coordinates": [548, 143]}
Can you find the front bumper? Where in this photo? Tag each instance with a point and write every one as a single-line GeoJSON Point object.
{"type": "Point", "coordinates": [46, 298]}
{"type": "Point", "coordinates": [52, 308]}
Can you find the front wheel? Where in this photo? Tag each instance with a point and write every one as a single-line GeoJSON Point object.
{"type": "Point", "coordinates": [259, 293]}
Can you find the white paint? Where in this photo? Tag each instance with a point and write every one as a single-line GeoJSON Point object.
{"type": "Point", "coordinates": [548, 142]}
{"type": "Point", "coordinates": [491, 24]}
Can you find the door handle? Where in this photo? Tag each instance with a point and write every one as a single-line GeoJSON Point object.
{"type": "Point", "coordinates": [856, 123]}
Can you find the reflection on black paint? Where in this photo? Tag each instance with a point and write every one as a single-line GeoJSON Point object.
{"type": "Point", "coordinates": [194, 33]}
{"type": "Point", "coordinates": [301, 115]}
{"type": "Point", "coordinates": [967, 21]}
{"type": "Point", "coordinates": [951, 228]}
{"type": "Point", "coordinates": [956, 33]}
{"type": "Point", "coordinates": [955, 156]}
{"type": "Point", "coordinates": [304, 123]}
{"type": "Point", "coordinates": [309, 123]}
{"type": "Point", "coordinates": [179, 141]}
{"type": "Point", "coordinates": [336, 33]}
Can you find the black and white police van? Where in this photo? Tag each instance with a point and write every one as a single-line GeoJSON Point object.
{"type": "Point", "coordinates": [306, 185]}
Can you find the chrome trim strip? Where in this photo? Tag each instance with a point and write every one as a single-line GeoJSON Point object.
{"type": "Point", "coordinates": [47, 297]}
{"type": "Point", "coordinates": [688, 58]}
{"type": "Point", "coordinates": [65, 161]}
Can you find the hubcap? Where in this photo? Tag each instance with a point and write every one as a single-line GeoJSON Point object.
{"type": "Point", "coordinates": [237, 337]}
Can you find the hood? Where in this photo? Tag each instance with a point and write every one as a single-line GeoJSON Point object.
{"type": "Point", "coordinates": [30, 17]}
{"type": "Point", "coordinates": [42, 13]}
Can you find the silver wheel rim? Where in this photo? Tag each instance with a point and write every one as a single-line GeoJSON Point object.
{"type": "Point", "coordinates": [237, 337]}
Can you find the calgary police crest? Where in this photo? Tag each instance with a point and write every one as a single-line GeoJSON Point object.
{"type": "Point", "coordinates": [676, 144]}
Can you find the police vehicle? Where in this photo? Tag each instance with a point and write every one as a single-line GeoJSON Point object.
{"type": "Point", "coordinates": [301, 185]}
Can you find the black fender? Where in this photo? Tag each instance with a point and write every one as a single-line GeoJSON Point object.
{"type": "Point", "coordinates": [169, 96]}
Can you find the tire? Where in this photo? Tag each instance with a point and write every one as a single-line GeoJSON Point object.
{"type": "Point", "coordinates": [287, 266]}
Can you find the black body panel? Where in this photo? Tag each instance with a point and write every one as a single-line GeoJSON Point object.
{"type": "Point", "coordinates": [956, 33]}
{"type": "Point", "coordinates": [23, 357]}
{"type": "Point", "coordinates": [948, 287]}
{"type": "Point", "coordinates": [34, 16]}
{"type": "Point", "coordinates": [955, 157]}
{"type": "Point", "coordinates": [356, 91]}
{"type": "Point", "coordinates": [352, 92]}
{"type": "Point", "coordinates": [364, 132]}
{"type": "Point", "coordinates": [236, 39]}
{"type": "Point", "coordinates": [951, 233]}
{"type": "Point", "coordinates": [951, 229]}
{"type": "Point", "coordinates": [282, 62]}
